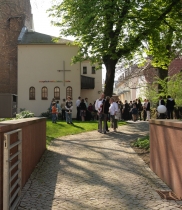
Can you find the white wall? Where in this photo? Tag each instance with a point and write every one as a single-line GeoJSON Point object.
{"type": "Point", "coordinates": [39, 63]}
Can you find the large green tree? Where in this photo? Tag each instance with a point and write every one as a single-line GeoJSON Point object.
{"type": "Point", "coordinates": [107, 30]}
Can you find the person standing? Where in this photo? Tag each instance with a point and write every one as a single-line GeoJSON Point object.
{"type": "Point", "coordinates": [52, 101]}
{"type": "Point", "coordinates": [170, 107]}
{"type": "Point", "coordinates": [134, 112]}
{"type": "Point", "coordinates": [78, 101]}
{"type": "Point", "coordinates": [58, 109]}
{"type": "Point", "coordinates": [126, 109]}
{"type": "Point", "coordinates": [144, 110]}
{"type": "Point", "coordinates": [83, 109]}
{"type": "Point", "coordinates": [69, 107]}
{"type": "Point", "coordinates": [148, 110]}
{"type": "Point", "coordinates": [113, 112]}
{"type": "Point", "coordinates": [140, 108]}
{"type": "Point", "coordinates": [99, 107]}
{"type": "Point", "coordinates": [130, 108]}
{"type": "Point", "coordinates": [106, 106]}
{"type": "Point", "coordinates": [54, 112]}
{"type": "Point", "coordinates": [63, 114]}
{"type": "Point", "coordinates": [88, 115]}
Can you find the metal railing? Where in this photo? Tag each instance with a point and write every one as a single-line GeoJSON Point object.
{"type": "Point", "coordinates": [12, 169]}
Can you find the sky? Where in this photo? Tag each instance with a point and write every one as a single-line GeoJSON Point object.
{"type": "Point", "coordinates": [42, 23]}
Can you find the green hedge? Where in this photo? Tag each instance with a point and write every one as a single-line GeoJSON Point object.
{"type": "Point", "coordinates": [143, 143]}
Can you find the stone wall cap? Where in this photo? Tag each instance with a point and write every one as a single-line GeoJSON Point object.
{"type": "Point", "coordinates": [167, 122]}
{"type": "Point", "coordinates": [19, 123]}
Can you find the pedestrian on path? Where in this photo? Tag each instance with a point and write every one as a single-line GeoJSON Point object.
{"type": "Point", "coordinates": [113, 113]}
{"type": "Point", "coordinates": [99, 107]}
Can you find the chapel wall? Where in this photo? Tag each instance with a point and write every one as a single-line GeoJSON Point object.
{"type": "Point", "coordinates": [14, 15]}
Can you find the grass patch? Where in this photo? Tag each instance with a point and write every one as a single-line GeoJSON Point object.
{"type": "Point", "coordinates": [61, 128]}
{"type": "Point", "coordinates": [142, 143]}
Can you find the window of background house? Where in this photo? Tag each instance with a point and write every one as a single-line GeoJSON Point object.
{"type": "Point", "coordinates": [69, 92]}
{"type": "Point", "coordinates": [57, 93]}
{"type": "Point", "coordinates": [44, 93]}
{"type": "Point", "coordinates": [84, 70]}
{"type": "Point", "coordinates": [32, 93]}
{"type": "Point", "coordinates": [93, 69]}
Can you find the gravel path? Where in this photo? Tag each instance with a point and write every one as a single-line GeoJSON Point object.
{"type": "Point", "coordinates": [95, 171]}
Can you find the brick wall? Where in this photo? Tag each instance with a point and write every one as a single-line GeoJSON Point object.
{"type": "Point", "coordinates": [165, 152]}
{"type": "Point", "coordinates": [33, 145]}
{"type": "Point", "coordinates": [175, 66]}
{"type": "Point", "coordinates": [14, 15]}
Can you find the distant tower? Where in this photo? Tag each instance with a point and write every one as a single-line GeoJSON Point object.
{"type": "Point", "coordinates": [14, 15]}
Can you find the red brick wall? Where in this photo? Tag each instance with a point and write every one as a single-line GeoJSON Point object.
{"type": "Point", "coordinates": [175, 66]}
{"type": "Point", "coordinates": [14, 15]}
{"type": "Point", "coordinates": [165, 152]}
{"type": "Point", "coordinates": [33, 145]}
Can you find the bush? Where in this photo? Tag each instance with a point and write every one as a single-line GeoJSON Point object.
{"type": "Point", "coordinates": [143, 143]}
{"type": "Point", "coordinates": [46, 114]}
{"type": "Point", "coordinates": [24, 114]}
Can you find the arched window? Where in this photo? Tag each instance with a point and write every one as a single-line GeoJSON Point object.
{"type": "Point", "coordinates": [32, 93]}
{"type": "Point", "coordinates": [44, 93]}
{"type": "Point", "coordinates": [57, 93]}
{"type": "Point", "coordinates": [69, 92]}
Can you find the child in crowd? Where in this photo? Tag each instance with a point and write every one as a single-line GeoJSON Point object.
{"type": "Point", "coordinates": [54, 112]}
{"type": "Point", "coordinates": [134, 112]}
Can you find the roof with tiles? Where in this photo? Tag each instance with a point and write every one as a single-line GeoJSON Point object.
{"type": "Point", "coordinates": [32, 37]}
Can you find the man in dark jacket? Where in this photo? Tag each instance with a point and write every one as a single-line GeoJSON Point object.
{"type": "Point", "coordinates": [170, 107]}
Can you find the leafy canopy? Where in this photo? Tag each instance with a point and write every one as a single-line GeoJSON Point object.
{"type": "Point", "coordinates": [112, 29]}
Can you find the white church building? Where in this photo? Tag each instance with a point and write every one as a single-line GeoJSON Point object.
{"type": "Point", "coordinates": [45, 71]}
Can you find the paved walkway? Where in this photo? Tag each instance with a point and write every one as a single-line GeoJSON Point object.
{"type": "Point", "coordinates": [95, 171]}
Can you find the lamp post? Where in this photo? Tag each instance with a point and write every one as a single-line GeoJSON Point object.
{"type": "Point", "coordinates": [161, 110]}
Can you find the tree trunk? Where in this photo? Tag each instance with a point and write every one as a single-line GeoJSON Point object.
{"type": "Point", "coordinates": [163, 73]}
{"type": "Point", "coordinates": [110, 75]}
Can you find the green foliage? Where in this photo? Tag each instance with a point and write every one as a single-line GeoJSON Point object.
{"type": "Point", "coordinates": [143, 143]}
{"type": "Point", "coordinates": [24, 114]}
{"type": "Point", "coordinates": [4, 119]}
{"type": "Point", "coordinates": [115, 29]}
{"type": "Point", "coordinates": [106, 31]}
{"type": "Point", "coordinates": [169, 86]}
{"type": "Point", "coordinates": [46, 114]}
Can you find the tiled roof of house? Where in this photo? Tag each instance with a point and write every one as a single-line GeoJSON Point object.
{"type": "Point", "coordinates": [31, 37]}
{"type": "Point", "coordinates": [175, 66]}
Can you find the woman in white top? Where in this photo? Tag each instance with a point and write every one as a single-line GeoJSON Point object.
{"type": "Point", "coordinates": [113, 109]}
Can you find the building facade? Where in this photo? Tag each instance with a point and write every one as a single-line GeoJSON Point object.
{"type": "Point", "coordinates": [45, 71]}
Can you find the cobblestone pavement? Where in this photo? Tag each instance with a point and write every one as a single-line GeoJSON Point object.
{"type": "Point", "coordinates": [95, 171]}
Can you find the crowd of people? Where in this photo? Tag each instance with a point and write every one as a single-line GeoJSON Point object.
{"type": "Point", "coordinates": [107, 109]}
{"type": "Point", "coordinates": [85, 111]}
